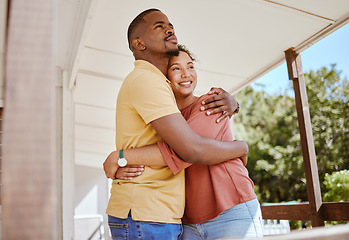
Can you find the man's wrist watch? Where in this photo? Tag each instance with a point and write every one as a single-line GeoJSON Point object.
{"type": "Point", "coordinates": [122, 162]}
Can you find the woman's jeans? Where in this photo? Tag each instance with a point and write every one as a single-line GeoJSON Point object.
{"type": "Point", "coordinates": [128, 229]}
{"type": "Point", "coordinates": [241, 221]}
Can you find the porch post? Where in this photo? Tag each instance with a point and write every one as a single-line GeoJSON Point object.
{"type": "Point", "coordinates": [295, 73]}
{"type": "Point", "coordinates": [29, 162]}
{"type": "Point", "coordinates": [68, 158]}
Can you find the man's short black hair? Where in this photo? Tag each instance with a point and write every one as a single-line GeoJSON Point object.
{"type": "Point", "coordinates": [134, 24]}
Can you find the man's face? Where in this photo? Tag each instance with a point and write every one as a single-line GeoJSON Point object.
{"type": "Point", "coordinates": [158, 35]}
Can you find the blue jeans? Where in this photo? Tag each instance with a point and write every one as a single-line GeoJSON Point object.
{"type": "Point", "coordinates": [129, 229]}
{"type": "Point", "coordinates": [241, 221]}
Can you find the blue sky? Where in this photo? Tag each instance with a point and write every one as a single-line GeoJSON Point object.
{"type": "Point", "coordinates": [332, 49]}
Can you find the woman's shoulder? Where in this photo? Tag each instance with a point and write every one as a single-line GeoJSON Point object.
{"type": "Point", "coordinates": [196, 104]}
{"type": "Point", "coordinates": [194, 109]}
{"type": "Point", "coordinates": [203, 97]}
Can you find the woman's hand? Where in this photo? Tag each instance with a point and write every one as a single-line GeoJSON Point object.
{"type": "Point", "coordinates": [221, 102]}
{"type": "Point", "coordinates": [129, 172]}
{"type": "Point", "coordinates": [110, 165]}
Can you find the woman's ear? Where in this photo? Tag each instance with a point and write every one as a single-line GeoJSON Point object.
{"type": "Point", "coordinates": [138, 44]}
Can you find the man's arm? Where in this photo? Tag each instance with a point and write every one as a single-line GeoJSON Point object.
{"type": "Point", "coordinates": [137, 157]}
{"type": "Point", "coordinates": [151, 156]}
{"type": "Point", "coordinates": [191, 147]}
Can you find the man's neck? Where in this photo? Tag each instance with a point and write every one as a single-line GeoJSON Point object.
{"type": "Point", "coordinates": [160, 63]}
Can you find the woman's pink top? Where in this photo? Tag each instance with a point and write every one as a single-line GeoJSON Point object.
{"type": "Point", "coordinates": [210, 189]}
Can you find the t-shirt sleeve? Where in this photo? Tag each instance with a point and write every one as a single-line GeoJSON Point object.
{"type": "Point", "coordinates": [202, 125]}
{"type": "Point", "coordinates": [153, 97]}
{"type": "Point", "coordinates": [174, 162]}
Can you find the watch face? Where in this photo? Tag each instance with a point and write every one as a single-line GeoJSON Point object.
{"type": "Point", "coordinates": [122, 162]}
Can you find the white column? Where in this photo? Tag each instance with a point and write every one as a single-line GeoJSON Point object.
{"type": "Point", "coordinates": [68, 158]}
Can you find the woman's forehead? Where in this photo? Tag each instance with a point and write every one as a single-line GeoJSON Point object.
{"type": "Point", "coordinates": [183, 56]}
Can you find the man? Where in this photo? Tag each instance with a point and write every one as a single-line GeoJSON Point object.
{"type": "Point", "coordinates": [151, 206]}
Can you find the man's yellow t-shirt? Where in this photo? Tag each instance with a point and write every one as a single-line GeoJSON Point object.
{"type": "Point", "coordinates": [157, 195]}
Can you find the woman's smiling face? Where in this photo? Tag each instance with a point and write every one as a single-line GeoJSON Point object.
{"type": "Point", "coordinates": [182, 74]}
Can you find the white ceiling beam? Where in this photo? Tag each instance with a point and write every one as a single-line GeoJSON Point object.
{"type": "Point", "coordinates": [299, 48]}
{"type": "Point", "coordinates": [323, 33]}
{"type": "Point", "coordinates": [329, 20]}
{"type": "Point", "coordinates": [83, 23]}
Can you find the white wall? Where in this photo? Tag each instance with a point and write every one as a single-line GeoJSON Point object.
{"type": "Point", "coordinates": [91, 193]}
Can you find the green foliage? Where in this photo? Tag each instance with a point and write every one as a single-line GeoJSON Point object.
{"type": "Point", "coordinates": [268, 123]}
{"type": "Point", "coordinates": [337, 184]}
{"type": "Point", "coordinates": [328, 101]}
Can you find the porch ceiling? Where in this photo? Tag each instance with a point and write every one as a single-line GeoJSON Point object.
{"type": "Point", "coordinates": [235, 41]}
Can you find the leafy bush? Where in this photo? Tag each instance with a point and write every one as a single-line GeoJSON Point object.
{"type": "Point", "coordinates": [337, 184]}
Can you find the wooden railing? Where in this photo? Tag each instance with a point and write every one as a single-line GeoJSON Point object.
{"type": "Point", "coordinates": [316, 211]}
{"type": "Point", "coordinates": [329, 211]}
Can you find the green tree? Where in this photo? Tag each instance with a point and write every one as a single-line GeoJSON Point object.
{"type": "Point", "coordinates": [268, 123]}
{"type": "Point", "coordinates": [328, 101]}
{"type": "Point", "coordinates": [337, 185]}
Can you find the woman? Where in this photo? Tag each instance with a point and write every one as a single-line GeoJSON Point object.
{"type": "Point", "coordinates": [220, 198]}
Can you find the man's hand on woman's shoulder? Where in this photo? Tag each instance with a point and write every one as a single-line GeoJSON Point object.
{"type": "Point", "coordinates": [221, 102]}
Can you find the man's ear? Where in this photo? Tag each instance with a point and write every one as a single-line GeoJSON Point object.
{"type": "Point", "coordinates": [138, 44]}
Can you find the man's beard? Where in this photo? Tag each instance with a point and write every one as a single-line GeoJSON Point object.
{"type": "Point", "coordinates": [173, 52]}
